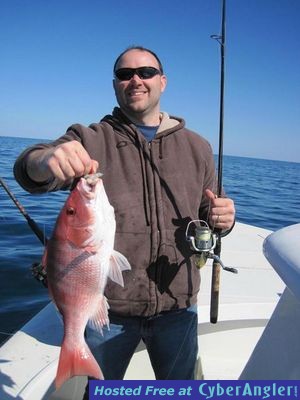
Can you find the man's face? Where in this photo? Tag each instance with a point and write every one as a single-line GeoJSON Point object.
{"type": "Point", "coordinates": [139, 98]}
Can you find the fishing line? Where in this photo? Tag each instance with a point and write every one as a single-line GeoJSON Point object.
{"type": "Point", "coordinates": [213, 189]}
{"type": "Point", "coordinates": [6, 333]}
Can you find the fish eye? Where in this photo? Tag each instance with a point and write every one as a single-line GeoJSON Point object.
{"type": "Point", "coordinates": [71, 211]}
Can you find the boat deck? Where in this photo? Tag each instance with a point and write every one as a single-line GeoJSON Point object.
{"type": "Point", "coordinates": [29, 359]}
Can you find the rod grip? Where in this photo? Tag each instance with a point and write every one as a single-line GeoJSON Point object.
{"type": "Point", "coordinates": [215, 284]}
{"type": "Point", "coordinates": [215, 289]}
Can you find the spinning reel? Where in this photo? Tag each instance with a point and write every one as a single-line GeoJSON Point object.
{"type": "Point", "coordinates": [203, 243]}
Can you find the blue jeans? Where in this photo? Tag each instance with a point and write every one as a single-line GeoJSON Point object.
{"type": "Point", "coordinates": [170, 338]}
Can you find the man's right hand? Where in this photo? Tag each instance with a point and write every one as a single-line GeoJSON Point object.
{"type": "Point", "coordinates": [64, 162]}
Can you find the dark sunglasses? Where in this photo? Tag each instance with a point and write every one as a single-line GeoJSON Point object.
{"type": "Point", "coordinates": [125, 74]}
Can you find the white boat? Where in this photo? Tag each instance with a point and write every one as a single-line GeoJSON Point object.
{"type": "Point", "coordinates": [256, 336]}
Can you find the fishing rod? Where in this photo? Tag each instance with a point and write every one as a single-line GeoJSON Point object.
{"type": "Point", "coordinates": [33, 225]}
{"type": "Point", "coordinates": [205, 243]}
{"type": "Point", "coordinates": [38, 269]}
{"type": "Point", "coordinates": [215, 281]}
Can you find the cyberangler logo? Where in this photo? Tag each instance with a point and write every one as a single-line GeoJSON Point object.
{"type": "Point", "coordinates": [248, 390]}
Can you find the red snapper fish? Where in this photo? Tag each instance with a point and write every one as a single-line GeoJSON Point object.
{"type": "Point", "coordinates": [79, 258]}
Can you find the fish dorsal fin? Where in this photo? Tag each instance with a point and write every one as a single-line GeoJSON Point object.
{"type": "Point", "coordinates": [117, 264]}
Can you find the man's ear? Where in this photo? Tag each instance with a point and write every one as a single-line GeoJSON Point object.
{"type": "Point", "coordinates": [163, 83]}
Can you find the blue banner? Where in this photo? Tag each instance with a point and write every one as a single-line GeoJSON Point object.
{"type": "Point", "coordinates": [193, 390]}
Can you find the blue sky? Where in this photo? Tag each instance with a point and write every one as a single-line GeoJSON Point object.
{"type": "Point", "coordinates": [57, 57]}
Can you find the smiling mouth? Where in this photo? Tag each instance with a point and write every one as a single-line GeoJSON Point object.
{"type": "Point", "coordinates": [136, 93]}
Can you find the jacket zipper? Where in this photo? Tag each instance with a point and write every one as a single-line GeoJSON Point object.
{"type": "Point", "coordinates": [157, 237]}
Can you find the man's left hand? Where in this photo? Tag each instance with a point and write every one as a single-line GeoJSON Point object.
{"type": "Point", "coordinates": [222, 211]}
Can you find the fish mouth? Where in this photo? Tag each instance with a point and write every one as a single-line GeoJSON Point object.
{"type": "Point", "coordinates": [89, 184]}
{"type": "Point", "coordinates": [92, 179]}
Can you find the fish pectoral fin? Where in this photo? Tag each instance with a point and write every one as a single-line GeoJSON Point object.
{"type": "Point", "coordinates": [100, 318]}
{"type": "Point", "coordinates": [121, 260]}
{"type": "Point", "coordinates": [117, 264]}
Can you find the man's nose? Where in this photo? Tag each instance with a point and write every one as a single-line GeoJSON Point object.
{"type": "Point", "coordinates": [135, 78]}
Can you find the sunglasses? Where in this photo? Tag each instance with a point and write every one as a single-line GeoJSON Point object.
{"type": "Point", "coordinates": [125, 74]}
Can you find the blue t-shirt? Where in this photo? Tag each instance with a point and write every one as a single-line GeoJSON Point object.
{"type": "Point", "coordinates": [148, 131]}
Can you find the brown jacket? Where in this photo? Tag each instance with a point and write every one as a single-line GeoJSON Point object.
{"type": "Point", "coordinates": [156, 189]}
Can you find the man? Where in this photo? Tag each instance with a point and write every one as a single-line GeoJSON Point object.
{"type": "Point", "coordinates": [158, 176]}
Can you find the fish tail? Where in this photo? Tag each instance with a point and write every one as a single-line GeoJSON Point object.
{"type": "Point", "coordinates": [76, 361]}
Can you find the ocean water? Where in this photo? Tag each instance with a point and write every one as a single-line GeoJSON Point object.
{"type": "Point", "coordinates": [266, 194]}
